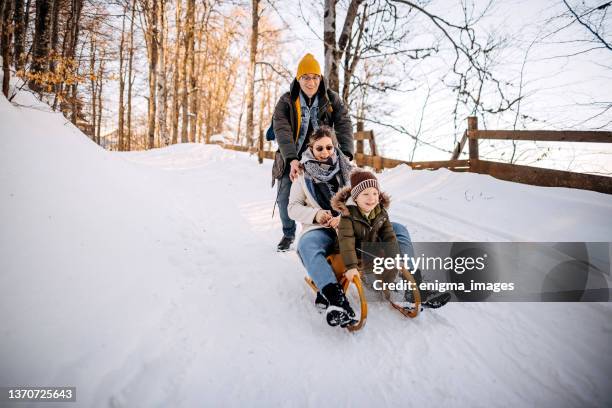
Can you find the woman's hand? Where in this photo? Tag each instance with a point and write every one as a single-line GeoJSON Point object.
{"type": "Point", "coordinates": [333, 222]}
{"type": "Point", "coordinates": [323, 216]}
{"type": "Point", "coordinates": [351, 273]}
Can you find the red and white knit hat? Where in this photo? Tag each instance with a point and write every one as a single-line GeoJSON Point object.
{"type": "Point", "coordinates": [360, 180]}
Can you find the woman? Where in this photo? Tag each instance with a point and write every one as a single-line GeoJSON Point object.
{"type": "Point", "coordinates": [325, 171]}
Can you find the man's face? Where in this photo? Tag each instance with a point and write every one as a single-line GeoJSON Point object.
{"type": "Point", "coordinates": [310, 84]}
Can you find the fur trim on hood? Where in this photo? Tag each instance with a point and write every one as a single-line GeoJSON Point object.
{"type": "Point", "coordinates": [343, 199]}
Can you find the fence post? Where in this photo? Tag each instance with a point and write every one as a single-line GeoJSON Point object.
{"type": "Point", "coordinates": [376, 159]}
{"type": "Point", "coordinates": [260, 153]}
{"type": "Point", "coordinates": [359, 148]}
{"type": "Point", "coordinates": [373, 150]}
{"type": "Point", "coordinates": [473, 125]}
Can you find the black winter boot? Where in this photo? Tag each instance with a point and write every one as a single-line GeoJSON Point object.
{"type": "Point", "coordinates": [429, 298]}
{"type": "Point", "coordinates": [321, 303]}
{"type": "Point", "coordinates": [284, 244]}
{"type": "Point", "coordinates": [339, 311]}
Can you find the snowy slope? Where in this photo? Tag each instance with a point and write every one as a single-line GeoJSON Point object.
{"type": "Point", "coordinates": [150, 279]}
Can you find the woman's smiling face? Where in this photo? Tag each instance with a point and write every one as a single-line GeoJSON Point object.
{"type": "Point", "coordinates": [323, 148]}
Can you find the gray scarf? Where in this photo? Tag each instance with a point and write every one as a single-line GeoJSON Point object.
{"type": "Point", "coordinates": [321, 172]}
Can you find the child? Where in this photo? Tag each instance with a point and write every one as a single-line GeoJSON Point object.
{"type": "Point", "coordinates": [363, 208]}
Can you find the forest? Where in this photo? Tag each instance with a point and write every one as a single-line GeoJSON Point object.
{"type": "Point", "coordinates": [141, 74]}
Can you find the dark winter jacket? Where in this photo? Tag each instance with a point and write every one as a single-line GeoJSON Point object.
{"type": "Point", "coordinates": [287, 121]}
{"type": "Point", "coordinates": [355, 229]}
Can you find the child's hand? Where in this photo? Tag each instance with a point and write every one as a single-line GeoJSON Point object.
{"type": "Point", "coordinates": [323, 217]}
{"type": "Point", "coordinates": [334, 222]}
{"type": "Point", "coordinates": [351, 273]}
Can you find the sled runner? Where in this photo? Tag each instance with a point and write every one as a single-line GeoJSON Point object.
{"type": "Point", "coordinates": [337, 265]}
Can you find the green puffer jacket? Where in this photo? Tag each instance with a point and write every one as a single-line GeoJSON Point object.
{"type": "Point", "coordinates": [355, 229]}
{"type": "Point", "coordinates": [287, 121]}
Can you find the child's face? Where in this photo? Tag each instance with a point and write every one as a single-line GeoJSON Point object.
{"type": "Point", "coordinates": [368, 199]}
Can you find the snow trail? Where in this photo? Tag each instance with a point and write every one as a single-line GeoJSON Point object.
{"type": "Point", "coordinates": [151, 279]}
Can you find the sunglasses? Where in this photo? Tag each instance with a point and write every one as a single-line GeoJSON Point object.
{"type": "Point", "coordinates": [328, 148]}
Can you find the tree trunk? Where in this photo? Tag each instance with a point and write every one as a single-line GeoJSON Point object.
{"type": "Point", "coordinates": [329, 45]}
{"type": "Point", "coordinates": [20, 29]}
{"type": "Point", "coordinates": [334, 51]}
{"type": "Point", "coordinates": [185, 137]}
{"type": "Point", "coordinates": [262, 104]}
{"type": "Point", "coordinates": [176, 79]}
{"type": "Point", "coordinates": [54, 35]}
{"type": "Point", "coordinates": [201, 66]}
{"type": "Point", "coordinates": [240, 118]}
{"type": "Point", "coordinates": [40, 46]}
{"type": "Point", "coordinates": [77, 7]}
{"type": "Point", "coordinates": [2, 2]}
{"type": "Point", "coordinates": [121, 112]}
{"type": "Point", "coordinates": [188, 38]}
{"type": "Point", "coordinates": [251, 73]}
{"type": "Point", "coordinates": [6, 46]}
{"type": "Point", "coordinates": [162, 111]}
{"type": "Point", "coordinates": [193, 87]}
{"type": "Point", "coordinates": [351, 58]}
{"type": "Point", "coordinates": [152, 35]}
{"type": "Point", "coordinates": [100, 84]}
{"type": "Point", "coordinates": [94, 86]}
{"type": "Point", "coordinates": [26, 23]}
{"type": "Point", "coordinates": [59, 88]}
{"type": "Point", "coordinates": [128, 141]}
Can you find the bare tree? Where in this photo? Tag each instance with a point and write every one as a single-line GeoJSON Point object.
{"type": "Point", "coordinates": [20, 33]}
{"type": "Point", "coordinates": [40, 44]}
{"type": "Point", "coordinates": [188, 47]}
{"type": "Point", "coordinates": [162, 87]}
{"type": "Point", "coordinates": [334, 51]}
{"type": "Point", "coordinates": [93, 81]}
{"type": "Point", "coordinates": [193, 87]}
{"type": "Point", "coordinates": [592, 19]}
{"type": "Point", "coordinates": [100, 84]}
{"type": "Point", "coordinates": [251, 70]}
{"type": "Point", "coordinates": [128, 141]}
{"type": "Point", "coordinates": [596, 30]}
{"type": "Point", "coordinates": [7, 31]}
{"type": "Point", "coordinates": [176, 75]}
{"type": "Point", "coordinates": [121, 108]}
{"type": "Point", "coordinates": [150, 14]}
{"type": "Point", "coordinates": [74, 27]}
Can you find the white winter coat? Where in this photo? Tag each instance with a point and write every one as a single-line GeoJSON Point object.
{"type": "Point", "coordinates": [303, 206]}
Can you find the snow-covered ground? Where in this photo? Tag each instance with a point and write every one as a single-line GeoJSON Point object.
{"type": "Point", "coordinates": [150, 279]}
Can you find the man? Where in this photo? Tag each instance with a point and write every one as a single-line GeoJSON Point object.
{"type": "Point", "coordinates": [308, 105]}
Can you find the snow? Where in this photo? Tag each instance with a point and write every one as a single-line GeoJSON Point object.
{"type": "Point", "coordinates": [151, 279]}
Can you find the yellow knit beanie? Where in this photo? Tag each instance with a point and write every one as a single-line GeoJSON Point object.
{"type": "Point", "coordinates": [308, 65]}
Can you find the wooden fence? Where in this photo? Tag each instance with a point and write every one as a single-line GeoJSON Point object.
{"type": "Point", "coordinates": [504, 171]}
{"type": "Point", "coordinates": [534, 175]}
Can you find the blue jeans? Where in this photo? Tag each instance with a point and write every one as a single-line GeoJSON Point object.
{"type": "Point", "coordinates": [284, 187]}
{"type": "Point", "coordinates": [315, 246]}
{"type": "Point", "coordinates": [405, 242]}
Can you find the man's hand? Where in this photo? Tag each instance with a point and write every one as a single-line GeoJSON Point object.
{"type": "Point", "coordinates": [323, 216]}
{"type": "Point", "coordinates": [351, 273]}
{"type": "Point", "coordinates": [333, 222]}
{"type": "Point", "coordinates": [295, 170]}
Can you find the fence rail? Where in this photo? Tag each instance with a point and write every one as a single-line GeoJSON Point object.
{"type": "Point", "coordinates": [504, 171]}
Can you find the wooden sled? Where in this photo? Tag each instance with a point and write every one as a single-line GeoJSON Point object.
{"type": "Point", "coordinates": [338, 267]}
